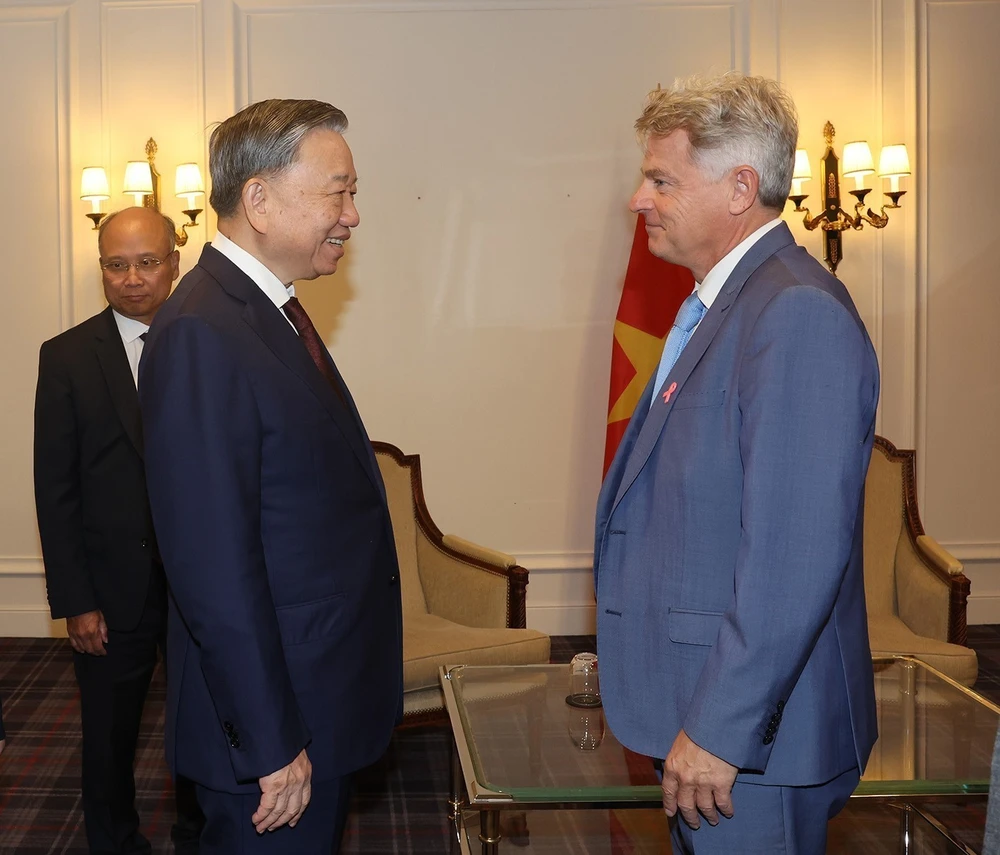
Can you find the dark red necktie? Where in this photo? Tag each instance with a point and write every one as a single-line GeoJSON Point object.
{"type": "Point", "coordinates": [314, 344]}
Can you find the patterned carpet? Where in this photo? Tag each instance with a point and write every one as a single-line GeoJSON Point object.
{"type": "Point", "coordinates": [398, 806]}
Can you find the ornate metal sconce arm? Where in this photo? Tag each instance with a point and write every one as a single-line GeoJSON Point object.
{"type": "Point", "coordinates": [808, 220]}
{"type": "Point", "coordinates": [841, 223]}
{"type": "Point", "coordinates": [181, 237]}
{"type": "Point", "coordinates": [812, 223]}
{"type": "Point", "coordinates": [876, 221]}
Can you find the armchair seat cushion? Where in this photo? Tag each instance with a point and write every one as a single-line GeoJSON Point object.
{"type": "Point", "coordinates": [430, 641]}
{"type": "Point", "coordinates": [890, 636]}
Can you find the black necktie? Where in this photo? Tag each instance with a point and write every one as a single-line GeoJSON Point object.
{"type": "Point", "coordinates": [314, 344]}
{"type": "Point", "coordinates": [142, 336]}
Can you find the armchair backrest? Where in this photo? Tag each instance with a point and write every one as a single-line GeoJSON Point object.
{"type": "Point", "coordinates": [398, 473]}
{"type": "Point", "coordinates": [883, 520]}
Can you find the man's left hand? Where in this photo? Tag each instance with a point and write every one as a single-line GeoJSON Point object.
{"type": "Point", "coordinates": [697, 783]}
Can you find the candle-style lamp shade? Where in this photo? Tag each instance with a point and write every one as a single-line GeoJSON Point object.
{"type": "Point", "coordinates": [94, 189]}
{"type": "Point", "coordinates": [858, 162]}
{"type": "Point", "coordinates": [894, 163]}
{"type": "Point", "coordinates": [188, 183]}
{"type": "Point", "coordinates": [801, 171]}
{"type": "Point", "coordinates": [138, 180]}
{"type": "Point", "coordinates": [94, 184]}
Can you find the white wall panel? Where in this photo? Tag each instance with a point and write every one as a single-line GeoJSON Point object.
{"type": "Point", "coordinates": [496, 156]}
{"type": "Point", "coordinates": [961, 288]}
{"type": "Point", "coordinates": [34, 246]}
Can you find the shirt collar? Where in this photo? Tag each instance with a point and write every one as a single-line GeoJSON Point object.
{"type": "Point", "coordinates": [129, 328]}
{"type": "Point", "coordinates": [276, 290]}
{"type": "Point", "coordinates": [711, 287]}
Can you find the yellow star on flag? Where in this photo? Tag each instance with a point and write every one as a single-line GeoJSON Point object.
{"type": "Point", "coordinates": [643, 351]}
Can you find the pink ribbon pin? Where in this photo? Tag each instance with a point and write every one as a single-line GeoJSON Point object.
{"type": "Point", "coordinates": [670, 391]}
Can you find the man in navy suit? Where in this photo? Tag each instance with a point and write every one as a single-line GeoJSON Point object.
{"type": "Point", "coordinates": [284, 641]}
{"type": "Point", "coordinates": [732, 632]}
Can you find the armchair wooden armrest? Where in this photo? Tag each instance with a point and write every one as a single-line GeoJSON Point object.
{"type": "Point", "coordinates": [939, 558]}
{"type": "Point", "coordinates": [932, 591]}
{"type": "Point", "coordinates": [483, 553]}
{"type": "Point", "coordinates": [470, 584]}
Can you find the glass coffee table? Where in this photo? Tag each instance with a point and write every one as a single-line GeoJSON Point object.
{"type": "Point", "coordinates": [518, 746]}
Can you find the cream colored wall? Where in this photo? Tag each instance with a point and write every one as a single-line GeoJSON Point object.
{"type": "Point", "coordinates": [959, 289]}
{"type": "Point", "coordinates": [473, 315]}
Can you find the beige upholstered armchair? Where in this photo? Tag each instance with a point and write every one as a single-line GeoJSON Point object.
{"type": "Point", "coordinates": [463, 604]}
{"type": "Point", "coordinates": [916, 590]}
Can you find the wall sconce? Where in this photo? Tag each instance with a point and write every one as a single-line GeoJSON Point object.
{"type": "Point", "coordinates": [142, 181]}
{"type": "Point", "coordinates": [894, 163]}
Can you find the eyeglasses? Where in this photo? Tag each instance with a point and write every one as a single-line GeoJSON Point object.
{"type": "Point", "coordinates": [146, 266]}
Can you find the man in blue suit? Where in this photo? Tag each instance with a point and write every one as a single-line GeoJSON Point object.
{"type": "Point", "coordinates": [284, 641]}
{"type": "Point", "coordinates": [732, 632]}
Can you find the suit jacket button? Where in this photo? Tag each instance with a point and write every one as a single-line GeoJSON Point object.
{"type": "Point", "coordinates": [145, 543]}
{"type": "Point", "coordinates": [234, 741]}
{"type": "Point", "coordinates": [227, 726]}
{"type": "Point", "coordinates": [768, 739]}
{"type": "Point", "coordinates": [393, 579]}
{"type": "Point", "coordinates": [781, 707]}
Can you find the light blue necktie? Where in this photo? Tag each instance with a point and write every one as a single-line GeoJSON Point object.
{"type": "Point", "coordinates": [692, 310]}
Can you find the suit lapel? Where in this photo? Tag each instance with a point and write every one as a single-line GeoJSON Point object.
{"type": "Point", "coordinates": [118, 375]}
{"type": "Point", "coordinates": [274, 330]}
{"type": "Point", "coordinates": [651, 424]}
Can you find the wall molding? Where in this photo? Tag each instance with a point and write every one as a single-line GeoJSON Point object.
{"type": "Point", "coordinates": [563, 620]}
{"type": "Point", "coordinates": [21, 565]}
{"type": "Point", "coordinates": [30, 622]}
{"type": "Point", "coordinates": [973, 551]}
{"type": "Point", "coordinates": [247, 7]}
{"type": "Point", "coordinates": [544, 562]}
{"type": "Point", "coordinates": [984, 609]}
{"type": "Point", "coordinates": [922, 266]}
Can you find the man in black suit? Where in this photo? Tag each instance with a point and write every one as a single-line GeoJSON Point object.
{"type": "Point", "coordinates": [285, 646]}
{"type": "Point", "coordinates": [102, 567]}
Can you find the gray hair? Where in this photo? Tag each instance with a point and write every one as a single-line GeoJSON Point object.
{"type": "Point", "coordinates": [168, 227]}
{"type": "Point", "coordinates": [262, 140]}
{"type": "Point", "coordinates": [730, 120]}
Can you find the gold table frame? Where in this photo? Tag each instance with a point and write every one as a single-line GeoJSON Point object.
{"type": "Point", "coordinates": [468, 792]}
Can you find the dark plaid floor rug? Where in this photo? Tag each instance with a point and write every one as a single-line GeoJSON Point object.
{"type": "Point", "coordinates": [398, 805]}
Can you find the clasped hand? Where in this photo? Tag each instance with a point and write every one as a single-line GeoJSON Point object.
{"type": "Point", "coordinates": [88, 633]}
{"type": "Point", "coordinates": [697, 783]}
{"type": "Point", "coordinates": [284, 795]}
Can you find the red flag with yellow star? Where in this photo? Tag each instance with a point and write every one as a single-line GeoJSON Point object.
{"type": "Point", "coordinates": [653, 292]}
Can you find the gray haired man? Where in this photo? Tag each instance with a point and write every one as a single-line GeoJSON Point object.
{"type": "Point", "coordinates": [285, 630]}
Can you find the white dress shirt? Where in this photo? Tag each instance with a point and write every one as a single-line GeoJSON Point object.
{"type": "Point", "coordinates": [130, 329]}
{"type": "Point", "coordinates": [275, 290]}
{"type": "Point", "coordinates": [711, 287]}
